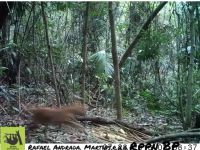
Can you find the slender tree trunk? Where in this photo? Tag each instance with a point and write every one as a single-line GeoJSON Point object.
{"type": "Point", "coordinates": [84, 51]}
{"type": "Point", "coordinates": [198, 20]}
{"type": "Point", "coordinates": [115, 63]}
{"type": "Point", "coordinates": [5, 33]}
{"type": "Point", "coordinates": [50, 55]}
{"type": "Point", "coordinates": [34, 67]}
{"type": "Point", "coordinates": [178, 80]}
{"type": "Point", "coordinates": [158, 85]}
{"type": "Point", "coordinates": [190, 71]}
{"type": "Point", "coordinates": [26, 27]}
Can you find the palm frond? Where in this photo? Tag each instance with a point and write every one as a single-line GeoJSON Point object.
{"type": "Point", "coordinates": [102, 63]}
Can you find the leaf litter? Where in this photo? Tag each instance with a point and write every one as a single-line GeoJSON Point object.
{"type": "Point", "coordinates": [93, 133]}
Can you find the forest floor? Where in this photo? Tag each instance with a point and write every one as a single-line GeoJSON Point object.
{"type": "Point", "coordinates": [93, 133]}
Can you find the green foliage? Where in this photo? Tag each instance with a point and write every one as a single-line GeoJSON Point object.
{"type": "Point", "coordinates": [101, 63]}
{"type": "Point", "coordinates": [21, 8]}
{"type": "Point", "coordinates": [121, 27]}
{"type": "Point", "coordinates": [126, 113]}
{"type": "Point", "coordinates": [151, 100]}
{"type": "Point", "coordinates": [2, 69]}
{"type": "Point", "coordinates": [65, 25]}
{"type": "Point", "coordinates": [149, 47]}
{"type": "Point", "coordinates": [57, 53]}
{"type": "Point", "coordinates": [128, 104]}
{"type": "Point", "coordinates": [98, 9]}
{"type": "Point", "coordinates": [11, 53]}
{"type": "Point", "coordinates": [74, 5]}
{"type": "Point", "coordinates": [106, 90]}
{"type": "Point", "coordinates": [197, 108]}
{"type": "Point", "coordinates": [61, 6]}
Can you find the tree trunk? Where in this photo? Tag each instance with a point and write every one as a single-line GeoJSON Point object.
{"type": "Point", "coordinates": [115, 64]}
{"type": "Point", "coordinates": [190, 71]}
{"type": "Point", "coordinates": [179, 77]}
{"type": "Point", "coordinates": [198, 20]}
{"type": "Point", "coordinates": [84, 51]}
{"type": "Point", "coordinates": [50, 55]}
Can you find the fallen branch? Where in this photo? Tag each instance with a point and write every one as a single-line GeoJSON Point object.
{"type": "Point", "coordinates": [140, 129]}
{"type": "Point", "coordinates": [103, 121]}
{"type": "Point", "coordinates": [97, 120]}
{"type": "Point", "coordinates": [171, 137]}
{"type": "Point", "coordinates": [193, 130]}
